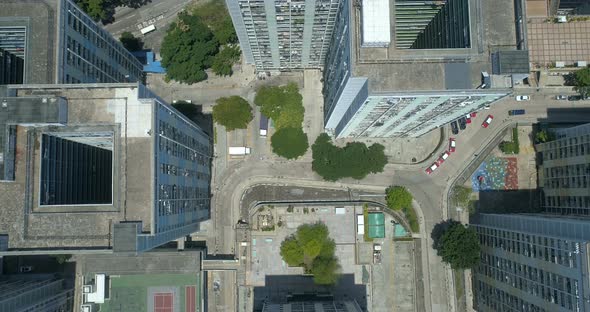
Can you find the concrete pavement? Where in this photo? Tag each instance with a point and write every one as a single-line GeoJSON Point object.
{"type": "Point", "coordinates": [429, 191]}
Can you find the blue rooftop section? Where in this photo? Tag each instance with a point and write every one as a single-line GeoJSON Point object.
{"type": "Point", "coordinates": [148, 59]}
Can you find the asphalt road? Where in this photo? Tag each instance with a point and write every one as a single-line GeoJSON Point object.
{"type": "Point", "coordinates": [428, 190]}
{"type": "Point", "coordinates": [158, 12]}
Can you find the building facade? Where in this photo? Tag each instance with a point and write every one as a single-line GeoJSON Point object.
{"type": "Point", "coordinates": [432, 24]}
{"type": "Point", "coordinates": [11, 68]}
{"type": "Point", "coordinates": [532, 263]}
{"type": "Point", "coordinates": [284, 35]}
{"type": "Point", "coordinates": [564, 173]}
{"type": "Point", "coordinates": [59, 43]}
{"type": "Point", "coordinates": [35, 293]}
{"type": "Point", "coordinates": [116, 168]}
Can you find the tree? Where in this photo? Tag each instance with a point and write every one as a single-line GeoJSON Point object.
{"type": "Point", "coordinates": [232, 112]}
{"type": "Point", "coordinates": [282, 104]}
{"type": "Point", "coordinates": [544, 136]}
{"type": "Point", "coordinates": [215, 15]}
{"type": "Point", "coordinates": [398, 197]}
{"type": "Point", "coordinates": [354, 160]}
{"type": "Point", "coordinates": [582, 81]}
{"type": "Point", "coordinates": [188, 49]}
{"type": "Point", "coordinates": [131, 42]}
{"type": "Point", "coordinates": [61, 259]}
{"type": "Point", "coordinates": [458, 245]}
{"type": "Point", "coordinates": [289, 142]}
{"type": "Point", "coordinates": [312, 248]}
{"type": "Point", "coordinates": [104, 10]}
{"type": "Point", "coordinates": [225, 59]}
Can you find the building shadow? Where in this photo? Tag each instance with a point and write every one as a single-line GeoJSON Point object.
{"type": "Point", "coordinates": [291, 288]}
{"type": "Point", "coordinates": [504, 202]}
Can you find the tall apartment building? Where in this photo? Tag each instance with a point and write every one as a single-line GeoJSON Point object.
{"type": "Point", "coordinates": [540, 262]}
{"type": "Point", "coordinates": [108, 167]}
{"type": "Point", "coordinates": [35, 293]}
{"type": "Point", "coordinates": [313, 306]}
{"type": "Point", "coordinates": [284, 35]}
{"type": "Point", "coordinates": [532, 263]}
{"type": "Point", "coordinates": [374, 88]}
{"type": "Point", "coordinates": [564, 171]}
{"type": "Point", "coordinates": [59, 43]}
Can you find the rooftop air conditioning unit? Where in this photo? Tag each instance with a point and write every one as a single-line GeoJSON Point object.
{"type": "Point", "coordinates": [86, 289]}
{"type": "Point", "coordinates": [86, 308]}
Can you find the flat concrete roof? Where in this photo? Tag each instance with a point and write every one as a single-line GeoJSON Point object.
{"type": "Point", "coordinates": [41, 20]}
{"type": "Point", "coordinates": [393, 69]}
{"type": "Point", "coordinates": [111, 105]}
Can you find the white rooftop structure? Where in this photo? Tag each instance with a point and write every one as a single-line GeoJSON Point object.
{"type": "Point", "coordinates": [97, 296]}
{"type": "Point", "coordinates": [376, 23]}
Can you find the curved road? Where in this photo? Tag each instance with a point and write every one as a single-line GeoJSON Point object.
{"type": "Point", "coordinates": [429, 190]}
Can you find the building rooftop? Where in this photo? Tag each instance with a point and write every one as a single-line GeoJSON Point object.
{"type": "Point", "coordinates": [126, 112]}
{"type": "Point", "coordinates": [157, 281]}
{"type": "Point", "coordinates": [394, 69]}
{"type": "Point", "coordinates": [37, 21]}
{"type": "Point", "coordinates": [510, 62]}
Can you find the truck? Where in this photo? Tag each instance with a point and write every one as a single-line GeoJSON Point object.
{"type": "Point", "coordinates": [376, 253]}
{"type": "Point", "coordinates": [516, 112]}
{"type": "Point", "coordinates": [263, 125]}
{"type": "Point", "coordinates": [239, 150]}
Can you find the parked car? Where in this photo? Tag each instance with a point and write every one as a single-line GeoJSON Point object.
{"type": "Point", "coordinates": [468, 118]}
{"type": "Point", "coordinates": [454, 127]}
{"type": "Point", "coordinates": [462, 123]}
{"type": "Point", "coordinates": [452, 145]}
{"type": "Point", "coordinates": [574, 98]}
{"type": "Point", "coordinates": [442, 158]}
{"type": "Point", "coordinates": [430, 169]}
{"type": "Point", "coordinates": [487, 121]}
{"type": "Point", "coordinates": [520, 98]}
{"type": "Point", "coordinates": [474, 114]}
{"type": "Point", "coordinates": [25, 269]}
{"type": "Point", "coordinates": [561, 97]}
{"type": "Point", "coordinates": [516, 112]}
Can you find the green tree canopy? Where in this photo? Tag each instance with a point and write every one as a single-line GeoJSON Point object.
{"type": "Point", "coordinates": [225, 59]}
{"type": "Point", "coordinates": [459, 246]}
{"type": "Point", "coordinates": [289, 142]}
{"type": "Point", "coordinates": [544, 136]}
{"type": "Point", "coordinates": [215, 15]}
{"type": "Point", "coordinates": [130, 42]}
{"type": "Point", "coordinates": [232, 112]}
{"type": "Point", "coordinates": [312, 248]}
{"type": "Point", "coordinates": [282, 104]}
{"type": "Point", "coordinates": [188, 49]}
{"type": "Point", "coordinates": [398, 197]}
{"type": "Point", "coordinates": [582, 81]}
{"type": "Point", "coordinates": [355, 160]}
{"type": "Point", "coordinates": [104, 10]}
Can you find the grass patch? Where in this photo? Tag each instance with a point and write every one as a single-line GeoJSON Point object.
{"type": "Point", "coordinates": [412, 219]}
{"type": "Point", "coordinates": [511, 147]}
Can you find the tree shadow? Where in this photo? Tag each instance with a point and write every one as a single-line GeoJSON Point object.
{"type": "Point", "coordinates": [569, 79]}
{"type": "Point", "coordinates": [438, 231]}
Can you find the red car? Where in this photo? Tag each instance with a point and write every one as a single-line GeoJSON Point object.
{"type": "Point", "coordinates": [442, 158]}
{"type": "Point", "coordinates": [488, 121]}
{"type": "Point", "coordinates": [474, 114]}
{"type": "Point", "coordinates": [468, 118]}
{"type": "Point", "coordinates": [430, 169]}
{"type": "Point", "coordinates": [452, 145]}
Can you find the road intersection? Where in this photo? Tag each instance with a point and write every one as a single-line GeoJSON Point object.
{"type": "Point", "coordinates": [429, 191]}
